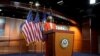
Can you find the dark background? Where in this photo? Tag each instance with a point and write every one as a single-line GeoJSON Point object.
{"type": "Point", "coordinates": [78, 10]}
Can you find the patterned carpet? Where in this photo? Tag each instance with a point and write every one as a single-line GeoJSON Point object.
{"type": "Point", "coordinates": [41, 54]}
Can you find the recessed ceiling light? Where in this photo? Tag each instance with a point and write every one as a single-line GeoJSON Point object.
{"type": "Point", "coordinates": [37, 4]}
{"type": "Point", "coordinates": [92, 1]}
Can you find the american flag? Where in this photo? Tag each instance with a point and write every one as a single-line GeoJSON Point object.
{"type": "Point", "coordinates": [28, 28]}
{"type": "Point", "coordinates": [38, 31]}
{"type": "Point", "coordinates": [31, 29]}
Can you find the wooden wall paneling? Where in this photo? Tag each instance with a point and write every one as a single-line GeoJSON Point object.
{"type": "Point", "coordinates": [12, 41]}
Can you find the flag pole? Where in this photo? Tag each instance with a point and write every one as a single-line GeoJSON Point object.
{"type": "Point", "coordinates": [33, 44]}
{"type": "Point", "coordinates": [37, 10]}
{"type": "Point", "coordinates": [42, 22]}
{"type": "Point", "coordinates": [35, 41]}
{"type": "Point", "coordinates": [43, 15]}
{"type": "Point", "coordinates": [43, 30]}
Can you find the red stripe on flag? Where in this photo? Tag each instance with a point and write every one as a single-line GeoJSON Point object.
{"type": "Point", "coordinates": [38, 31]}
{"type": "Point", "coordinates": [29, 29]}
{"type": "Point", "coordinates": [26, 33]}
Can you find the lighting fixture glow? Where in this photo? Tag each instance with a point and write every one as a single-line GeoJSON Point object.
{"type": "Point", "coordinates": [16, 4]}
{"type": "Point", "coordinates": [31, 2]}
{"type": "Point", "coordinates": [92, 1]}
{"type": "Point", "coordinates": [0, 9]}
{"type": "Point", "coordinates": [60, 2]}
{"type": "Point", "coordinates": [37, 4]}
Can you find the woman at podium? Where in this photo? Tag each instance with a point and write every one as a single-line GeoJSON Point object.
{"type": "Point", "coordinates": [49, 25]}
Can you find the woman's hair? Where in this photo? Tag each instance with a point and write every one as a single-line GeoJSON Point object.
{"type": "Point", "coordinates": [50, 19]}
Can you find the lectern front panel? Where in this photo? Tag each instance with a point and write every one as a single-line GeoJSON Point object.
{"type": "Point", "coordinates": [63, 44]}
{"type": "Point", "coordinates": [59, 43]}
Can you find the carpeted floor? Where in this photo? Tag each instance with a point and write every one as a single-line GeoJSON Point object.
{"type": "Point", "coordinates": [84, 54]}
{"type": "Point", "coordinates": [41, 54]}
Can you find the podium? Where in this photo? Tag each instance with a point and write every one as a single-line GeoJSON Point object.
{"type": "Point", "coordinates": [59, 43]}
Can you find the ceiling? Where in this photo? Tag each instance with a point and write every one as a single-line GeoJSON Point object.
{"type": "Point", "coordinates": [74, 9]}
